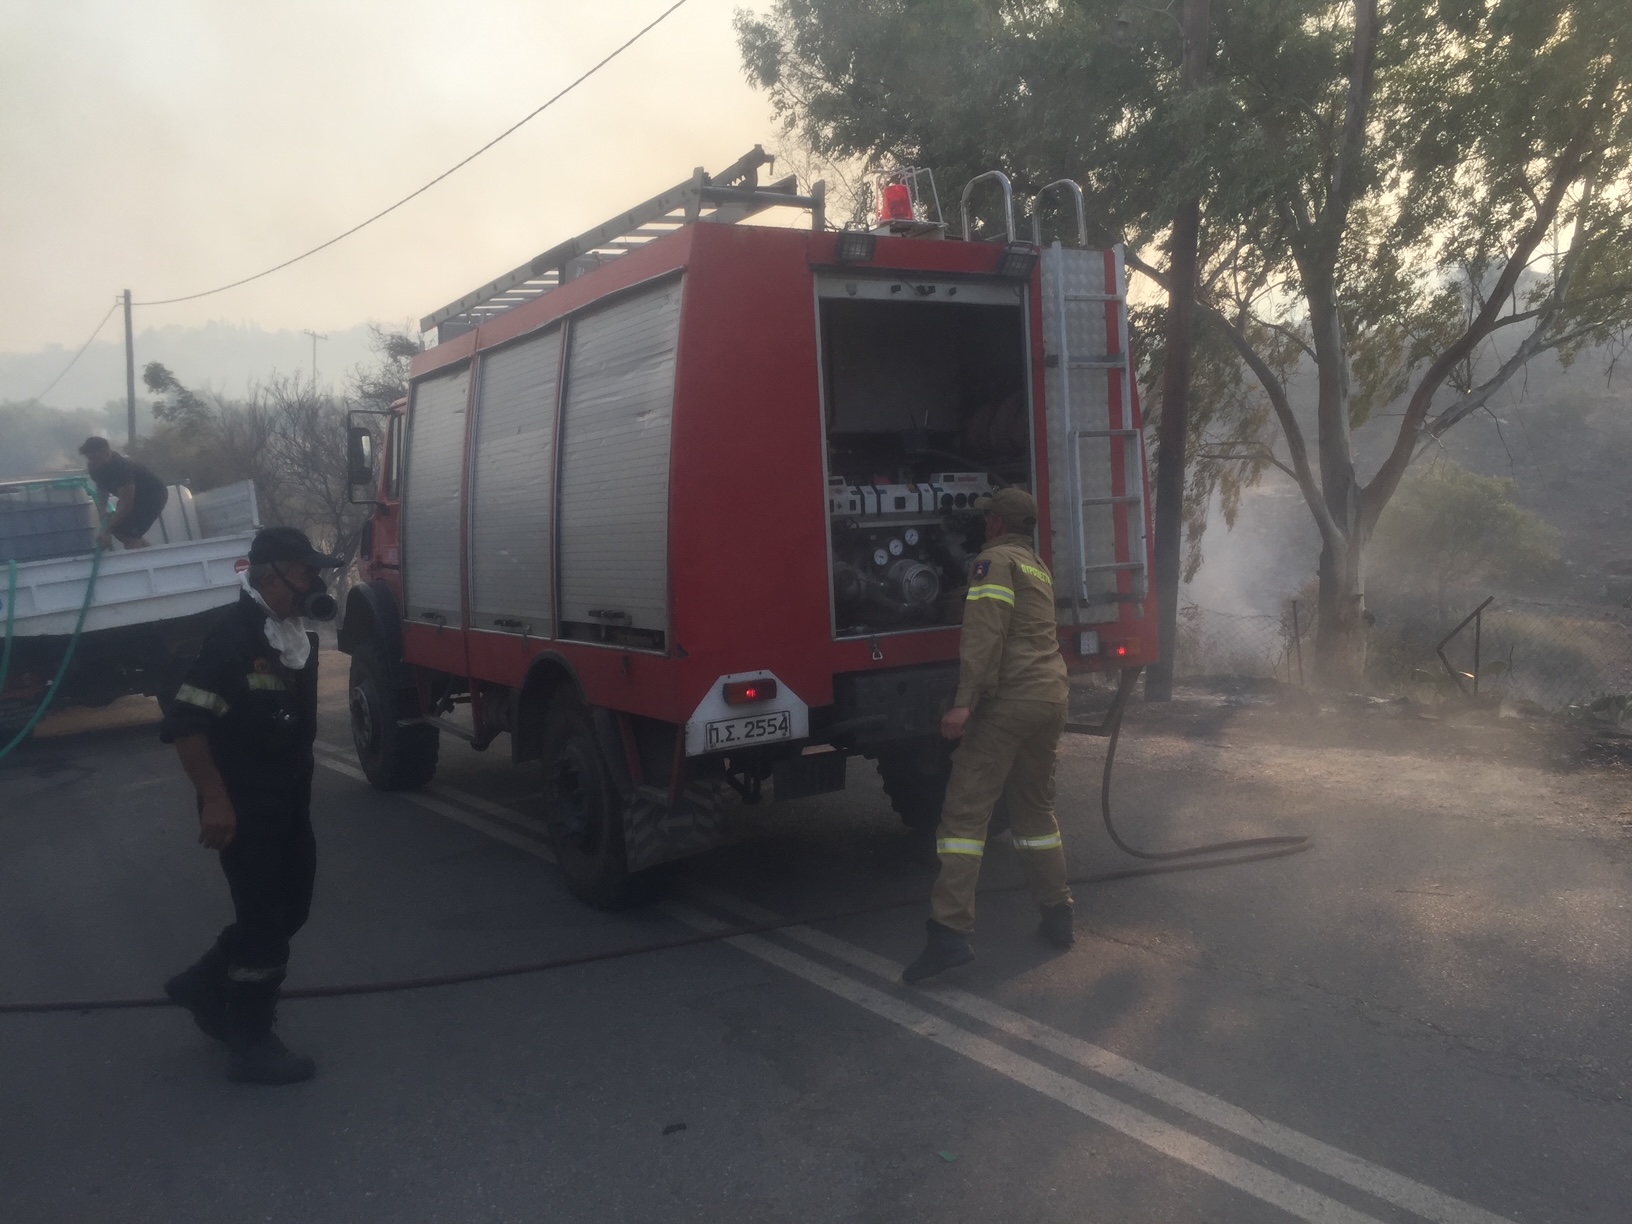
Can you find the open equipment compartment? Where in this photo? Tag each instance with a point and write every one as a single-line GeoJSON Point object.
{"type": "Point", "coordinates": [926, 406]}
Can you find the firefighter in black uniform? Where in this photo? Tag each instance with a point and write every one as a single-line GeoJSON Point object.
{"type": "Point", "coordinates": [243, 723]}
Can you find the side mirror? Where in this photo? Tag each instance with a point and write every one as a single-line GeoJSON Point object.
{"type": "Point", "coordinates": [359, 455]}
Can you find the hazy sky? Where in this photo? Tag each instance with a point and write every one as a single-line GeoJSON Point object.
{"type": "Point", "coordinates": [169, 146]}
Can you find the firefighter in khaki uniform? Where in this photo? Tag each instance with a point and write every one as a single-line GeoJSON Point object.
{"type": "Point", "coordinates": [1008, 715]}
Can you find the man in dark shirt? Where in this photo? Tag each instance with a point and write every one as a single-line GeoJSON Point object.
{"type": "Point", "coordinates": [243, 722]}
{"type": "Point", "coordinates": [142, 495]}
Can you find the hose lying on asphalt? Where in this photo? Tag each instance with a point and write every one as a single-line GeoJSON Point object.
{"type": "Point", "coordinates": [1112, 727]}
{"type": "Point", "coordinates": [1257, 850]}
{"type": "Point", "coordinates": [399, 985]}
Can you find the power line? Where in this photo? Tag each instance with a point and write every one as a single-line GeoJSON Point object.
{"type": "Point", "coordinates": [641, 33]}
{"type": "Point", "coordinates": [64, 372]}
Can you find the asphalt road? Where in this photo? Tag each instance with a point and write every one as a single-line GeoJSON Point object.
{"type": "Point", "coordinates": [1424, 1018]}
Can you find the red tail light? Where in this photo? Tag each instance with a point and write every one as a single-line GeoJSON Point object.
{"type": "Point", "coordinates": [746, 692]}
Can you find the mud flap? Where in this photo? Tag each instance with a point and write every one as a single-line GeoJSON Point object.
{"type": "Point", "coordinates": [654, 832]}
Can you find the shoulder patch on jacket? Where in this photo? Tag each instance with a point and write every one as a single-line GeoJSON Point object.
{"type": "Point", "coordinates": [982, 568]}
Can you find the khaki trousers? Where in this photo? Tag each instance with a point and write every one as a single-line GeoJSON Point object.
{"type": "Point", "coordinates": [1007, 749]}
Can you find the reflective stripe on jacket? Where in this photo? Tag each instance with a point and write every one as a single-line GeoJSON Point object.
{"type": "Point", "coordinates": [1009, 648]}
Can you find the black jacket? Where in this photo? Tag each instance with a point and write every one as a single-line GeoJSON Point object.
{"type": "Point", "coordinates": [260, 716]}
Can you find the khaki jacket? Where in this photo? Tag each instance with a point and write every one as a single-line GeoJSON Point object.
{"type": "Point", "coordinates": [1009, 647]}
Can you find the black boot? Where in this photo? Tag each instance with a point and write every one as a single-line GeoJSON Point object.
{"type": "Point", "coordinates": [258, 1057]}
{"type": "Point", "coordinates": [202, 990]}
{"type": "Point", "coordinates": [1057, 926]}
{"type": "Point", "coordinates": [945, 949]}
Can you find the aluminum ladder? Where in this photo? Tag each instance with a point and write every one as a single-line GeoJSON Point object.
{"type": "Point", "coordinates": [1096, 452]}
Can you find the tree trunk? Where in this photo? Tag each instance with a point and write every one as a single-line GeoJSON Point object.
{"type": "Point", "coordinates": [1175, 424]}
{"type": "Point", "coordinates": [1340, 638]}
{"type": "Point", "coordinates": [1170, 458]}
{"type": "Point", "coordinates": [1340, 634]}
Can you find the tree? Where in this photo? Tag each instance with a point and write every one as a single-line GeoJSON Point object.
{"type": "Point", "coordinates": [1449, 527]}
{"type": "Point", "coordinates": [179, 406]}
{"type": "Point", "coordinates": [1415, 201]}
{"type": "Point", "coordinates": [303, 439]}
{"type": "Point", "coordinates": [375, 388]}
{"type": "Point", "coordinates": [196, 439]}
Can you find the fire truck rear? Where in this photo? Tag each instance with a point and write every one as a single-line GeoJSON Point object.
{"type": "Point", "coordinates": [685, 505]}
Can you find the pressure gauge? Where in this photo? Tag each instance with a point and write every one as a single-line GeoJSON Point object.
{"type": "Point", "coordinates": [895, 548]}
{"type": "Point", "coordinates": [911, 536]}
{"type": "Point", "coordinates": [881, 558]}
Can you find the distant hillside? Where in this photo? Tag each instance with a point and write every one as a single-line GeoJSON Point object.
{"type": "Point", "coordinates": [224, 357]}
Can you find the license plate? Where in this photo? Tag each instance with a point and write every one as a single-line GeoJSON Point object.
{"type": "Point", "coordinates": [758, 729]}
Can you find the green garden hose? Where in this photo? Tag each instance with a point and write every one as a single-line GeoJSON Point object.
{"type": "Point", "coordinates": [73, 642]}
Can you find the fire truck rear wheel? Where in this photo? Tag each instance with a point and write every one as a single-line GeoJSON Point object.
{"type": "Point", "coordinates": [583, 811]}
{"type": "Point", "coordinates": [915, 776]}
{"type": "Point", "coordinates": [393, 757]}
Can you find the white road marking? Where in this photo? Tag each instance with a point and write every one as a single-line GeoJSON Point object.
{"type": "Point", "coordinates": [1261, 1183]}
{"type": "Point", "coordinates": [341, 754]}
{"type": "Point", "coordinates": [521, 841]}
{"type": "Point", "coordinates": [1264, 1184]}
{"type": "Point", "coordinates": [1375, 1180]}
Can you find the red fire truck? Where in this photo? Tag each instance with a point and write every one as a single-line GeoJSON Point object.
{"type": "Point", "coordinates": [685, 505]}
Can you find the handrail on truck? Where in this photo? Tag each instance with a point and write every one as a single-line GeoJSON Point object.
{"type": "Point", "coordinates": [1008, 200]}
{"type": "Point", "coordinates": [1082, 211]}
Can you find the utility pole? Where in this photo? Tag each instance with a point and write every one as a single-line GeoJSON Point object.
{"type": "Point", "coordinates": [1171, 434]}
{"type": "Point", "coordinates": [315, 338]}
{"type": "Point", "coordinates": [130, 377]}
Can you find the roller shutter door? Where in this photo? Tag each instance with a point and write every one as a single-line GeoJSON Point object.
{"type": "Point", "coordinates": [617, 410]}
{"type": "Point", "coordinates": [511, 517]}
{"type": "Point", "coordinates": [430, 521]}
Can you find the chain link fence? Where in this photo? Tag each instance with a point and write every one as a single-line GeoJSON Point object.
{"type": "Point", "coordinates": [1214, 643]}
{"type": "Point", "coordinates": [1553, 655]}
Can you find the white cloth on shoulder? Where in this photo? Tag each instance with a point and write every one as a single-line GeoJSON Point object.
{"type": "Point", "coordinates": [287, 637]}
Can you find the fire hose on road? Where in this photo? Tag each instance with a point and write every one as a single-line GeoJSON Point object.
{"type": "Point", "coordinates": [1197, 858]}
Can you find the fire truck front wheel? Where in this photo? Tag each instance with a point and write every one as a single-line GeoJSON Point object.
{"type": "Point", "coordinates": [393, 757]}
{"type": "Point", "coordinates": [583, 811]}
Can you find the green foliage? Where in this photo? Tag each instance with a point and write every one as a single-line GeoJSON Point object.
{"type": "Point", "coordinates": [1452, 528]}
{"type": "Point", "coordinates": [179, 406]}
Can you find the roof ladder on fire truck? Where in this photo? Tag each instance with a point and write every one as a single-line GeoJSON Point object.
{"type": "Point", "coordinates": [732, 195]}
{"type": "Point", "coordinates": [1096, 457]}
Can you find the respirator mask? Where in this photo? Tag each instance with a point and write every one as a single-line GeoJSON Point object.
{"type": "Point", "coordinates": [318, 604]}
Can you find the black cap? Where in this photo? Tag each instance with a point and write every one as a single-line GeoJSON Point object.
{"type": "Point", "coordinates": [93, 444]}
{"type": "Point", "coordinates": [288, 544]}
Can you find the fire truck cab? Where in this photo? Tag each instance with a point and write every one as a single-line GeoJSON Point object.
{"type": "Point", "coordinates": [685, 506]}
